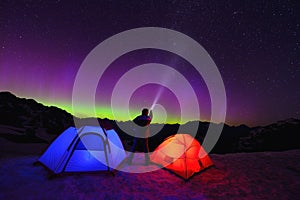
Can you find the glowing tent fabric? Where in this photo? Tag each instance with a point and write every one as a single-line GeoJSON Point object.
{"type": "Point", "coordinates": [89, 148]}
{"type": "Point", "coordinates": [182, 154]}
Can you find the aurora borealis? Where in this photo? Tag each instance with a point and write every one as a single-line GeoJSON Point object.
{"type": "Point", "coordinates": [255, 46]}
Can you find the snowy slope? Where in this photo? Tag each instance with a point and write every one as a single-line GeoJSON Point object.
{"type": "Point", "coordinates": [264, 175]}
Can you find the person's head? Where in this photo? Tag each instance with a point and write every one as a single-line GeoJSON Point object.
{"type": "Point", "coordinates": [145, 111]}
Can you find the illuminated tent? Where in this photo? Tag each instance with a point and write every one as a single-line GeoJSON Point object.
{"type": "Point", "coordinates": [182, 154]}
{"type": "Point", "coordinates": [87, 149]}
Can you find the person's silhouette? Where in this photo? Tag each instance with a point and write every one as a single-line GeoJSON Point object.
{"type": "Point", "coordinates": [142, 133]}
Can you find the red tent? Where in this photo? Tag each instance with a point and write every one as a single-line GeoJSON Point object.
{"type": "Point", "coordinates": [182, 154]}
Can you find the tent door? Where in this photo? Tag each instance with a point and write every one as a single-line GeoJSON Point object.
{"type": "Point", "coordinates": [88, 154]}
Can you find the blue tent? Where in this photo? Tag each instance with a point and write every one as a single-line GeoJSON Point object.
{"type": "Point", "coordinates": [87, 149]}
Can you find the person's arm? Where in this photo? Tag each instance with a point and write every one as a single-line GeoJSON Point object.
{"type": "Point", "coordinates": [151, 114]}
{"type": "Point", "coordinates": [135, 120]}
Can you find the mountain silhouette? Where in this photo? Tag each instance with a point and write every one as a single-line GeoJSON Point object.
{"type": "Point", "coordinates": [27, 121]}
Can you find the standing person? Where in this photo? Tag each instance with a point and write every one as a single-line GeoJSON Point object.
{"type": "Point", "coordinates": [142, 133]}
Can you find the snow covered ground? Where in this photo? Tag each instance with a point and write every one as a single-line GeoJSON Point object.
{"type": "Point", "coordinates": [265, 175]}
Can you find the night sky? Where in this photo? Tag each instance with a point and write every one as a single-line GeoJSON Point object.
{"type": "Point", "coordinates": [255, 45]}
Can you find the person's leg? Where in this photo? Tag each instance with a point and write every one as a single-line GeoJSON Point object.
{"type": "Point", "coordinates": [146, 151]}
{"type": "Point", "coordinates": [132, 150]}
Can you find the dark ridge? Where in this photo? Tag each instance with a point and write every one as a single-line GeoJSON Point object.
{"type": "Point", "coordinates": [42, 124]}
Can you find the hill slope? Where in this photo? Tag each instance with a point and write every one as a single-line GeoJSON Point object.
{"type": "Point", "coordinates": [24, 121]}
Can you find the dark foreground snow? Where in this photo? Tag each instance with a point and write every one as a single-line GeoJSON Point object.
{"type": "Point", "coordinates": [266, 175]}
